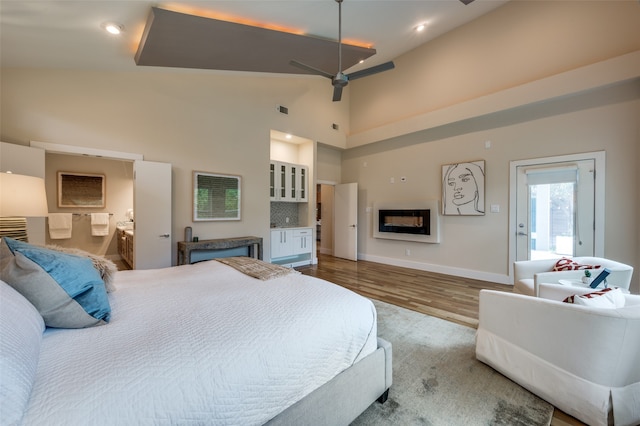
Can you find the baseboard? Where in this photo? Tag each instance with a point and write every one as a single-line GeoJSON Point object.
{"type": "Point", "coordinates": [441, 269]}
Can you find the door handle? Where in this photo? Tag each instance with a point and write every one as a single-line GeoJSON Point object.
{"type": "Point", "coordinates": [164, 236]}
{"type": "Point", "coordinates": [352, 226]}
{"type": "Point", "coordinates": [523, 234]}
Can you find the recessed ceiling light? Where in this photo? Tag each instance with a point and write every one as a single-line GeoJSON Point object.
{"type": "Point", "coordinates": [420, 27]}
{"type": "Point", "coordinates": [288, 136]}
{"type": "Point", "coordinates": [113, 28]}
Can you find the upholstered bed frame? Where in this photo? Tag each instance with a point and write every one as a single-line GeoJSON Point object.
{"type": "Point", "coordinates": [346, 396]}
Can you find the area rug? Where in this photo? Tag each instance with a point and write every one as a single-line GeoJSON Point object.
{"type": "Point", "coordinates": [438, 381]}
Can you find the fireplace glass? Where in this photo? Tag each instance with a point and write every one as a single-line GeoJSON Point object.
{"type": "Point", "coordinates": [414, 221]}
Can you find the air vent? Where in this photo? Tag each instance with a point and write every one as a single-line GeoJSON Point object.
{"type": "Point", "coordinates": [335, 126]}
{"type": "Point", "coordinates": [282, 109]}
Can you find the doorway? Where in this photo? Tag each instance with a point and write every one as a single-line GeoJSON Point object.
{"type": "Point", "coordinates": [337, 217]}
{"type": "Point", "coordinates": [150, 192]}
{"type": "Point", "coordinates": [324, 218]}
{"type": "Point", "coordinates": [557, 207]}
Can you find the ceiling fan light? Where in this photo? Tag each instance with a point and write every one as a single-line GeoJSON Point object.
{"type": "Point", "coordinates": [421, 28]}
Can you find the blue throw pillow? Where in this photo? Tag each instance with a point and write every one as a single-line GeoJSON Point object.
{"type": "Point", "coordinates": [66, 289]}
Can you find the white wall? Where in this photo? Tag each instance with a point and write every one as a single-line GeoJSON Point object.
{"type": "Point", "coordinates": [194, 120]}
{"type": "Point", "coordinates": [478, 246]}
{"type": "Point", "coordinates": [329, 163]}
{"type": "Point", "coordinates": [518, 43]}
{"type": "Point", "coordinates": [536, 79]}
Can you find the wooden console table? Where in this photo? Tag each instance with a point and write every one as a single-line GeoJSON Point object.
{"type": "Point", "coordinates": [254, 245]}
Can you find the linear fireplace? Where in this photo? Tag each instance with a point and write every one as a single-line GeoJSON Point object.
{"type": "Point", "coordinates": [418, 221]}
{"type": "Point", "coordinates": [412, 221]}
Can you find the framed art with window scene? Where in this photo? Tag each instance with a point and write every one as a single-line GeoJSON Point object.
{"type": "Point", "coordinates": [216, 196]}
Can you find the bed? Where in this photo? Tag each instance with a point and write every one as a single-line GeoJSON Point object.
{"type": "Point", "coordinates": [198, 344]}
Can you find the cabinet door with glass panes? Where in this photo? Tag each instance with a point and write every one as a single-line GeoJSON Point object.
{"type": "Point", "coordinates": [288, 182]}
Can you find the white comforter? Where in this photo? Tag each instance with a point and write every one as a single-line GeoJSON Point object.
{"type": "Point", "coordinates": [201, 344]}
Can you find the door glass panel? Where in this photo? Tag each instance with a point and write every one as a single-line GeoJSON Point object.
{"type": "Point", "coordinates": [555, 210]}
{"type": "Point", "coordinates": [283, 180]}
{"type": "Point", "coordinates": [293, 183]}
{"type": "Point", "coordinates": [552, 220]}
{"type": "Point", "coordinates": [272, 180]}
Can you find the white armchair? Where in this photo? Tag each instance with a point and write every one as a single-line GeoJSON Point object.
{"type": "Point", "coordinates": [583, 360]}
{"type": "Point", "coordinates": [529, 273]}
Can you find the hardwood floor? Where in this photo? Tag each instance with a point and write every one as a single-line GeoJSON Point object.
{"type": "Point", "coordinates": [443, 296]}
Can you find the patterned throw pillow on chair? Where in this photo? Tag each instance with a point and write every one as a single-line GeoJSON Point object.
{"type": "Point", "coordinates": [566, 264]}
{"type": "Point", "coordinates": [605, 298]}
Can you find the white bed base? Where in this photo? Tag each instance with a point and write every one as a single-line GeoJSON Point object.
{"type": "Point", "coordinates": [346, 396]}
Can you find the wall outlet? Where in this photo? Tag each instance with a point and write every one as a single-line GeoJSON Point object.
{"type": "Point", "coordinates": [407, 252]}
{"type": "Point", "coordinates": [286, 220]}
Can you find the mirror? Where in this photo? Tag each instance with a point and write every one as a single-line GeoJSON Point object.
{"type": "Point", "coordinates": [216, 196]}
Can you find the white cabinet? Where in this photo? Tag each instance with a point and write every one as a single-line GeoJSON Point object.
{"type": "Point", "coordinates": [288, 182]}
{"type": "Point", "coordinates": [291, 247]}
{"type": "Point", "coordinates": [302, 241]}
{"type": "Point", "coordinates": [281, 243]}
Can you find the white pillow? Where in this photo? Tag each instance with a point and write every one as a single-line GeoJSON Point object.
{"type": "Point", "coordinates": [611, 298]}
{"type": "Point", "coordinates": [21, 328]}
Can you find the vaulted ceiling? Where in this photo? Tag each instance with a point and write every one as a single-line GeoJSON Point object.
{"type": "Point", "coordinates": [69, 33]}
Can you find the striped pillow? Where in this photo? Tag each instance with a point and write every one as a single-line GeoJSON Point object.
{"type": "Point", "coordinates": [566, 264]}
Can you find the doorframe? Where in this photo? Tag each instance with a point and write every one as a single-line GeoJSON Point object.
{"type": "Point", "coordinates": [55, 148]}
{"type": "Point", "coordinates": [599, 158]}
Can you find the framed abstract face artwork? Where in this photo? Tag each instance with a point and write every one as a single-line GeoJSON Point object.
{"type": "Point", "coordinates": [463, 188]}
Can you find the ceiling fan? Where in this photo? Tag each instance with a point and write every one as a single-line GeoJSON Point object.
{"type": "Point", "coordinates": [340, 80]}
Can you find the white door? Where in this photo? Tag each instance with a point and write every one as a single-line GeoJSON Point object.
{"type": "Point", "coordinates": [345, 221]}
{"type": "Point", "coordinates": [555, 209]}
{"type": "Point", "coordinates": [152, 210]}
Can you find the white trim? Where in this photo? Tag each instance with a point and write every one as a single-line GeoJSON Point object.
{"type": "Point", "coordinates": [440, 269]}
{"type": "Point", "coordinates": [599, 158]}
{"type": "Point", "coordinates": [81, 150]}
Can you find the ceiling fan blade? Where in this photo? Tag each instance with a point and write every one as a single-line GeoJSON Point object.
{"type": "Point", "coordinates": [337, 93]}
{"type": "Point", "coordinates": [373, 70]}
{"type": "Point", "coordinates": [310, 68]}
{"type": "Point", "coordinates": [466, 2]}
